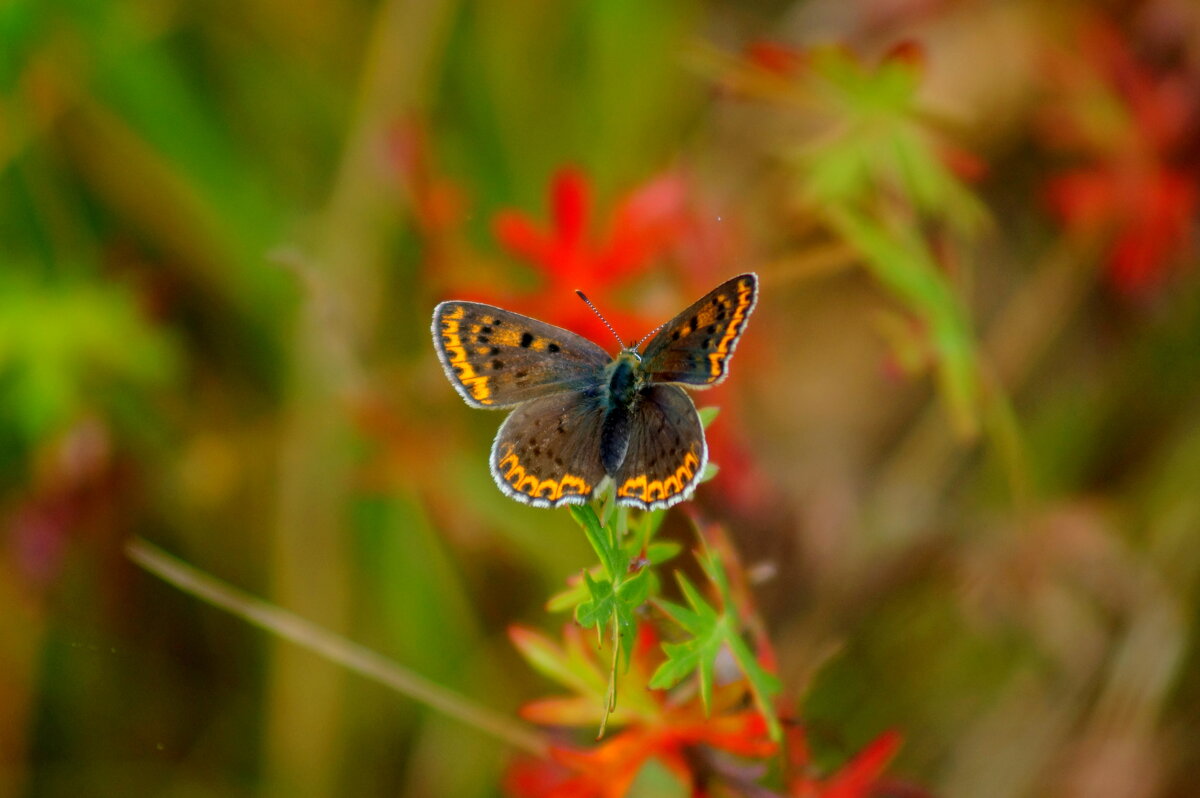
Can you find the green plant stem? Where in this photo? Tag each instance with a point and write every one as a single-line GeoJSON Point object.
{"type": "Point", "coordinates": [335, 648]}
{"type": "Point", "coordinates": [610, 699]}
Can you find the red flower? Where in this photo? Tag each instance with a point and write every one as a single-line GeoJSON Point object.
{"type": "Point", "coordinates": [608, 770]}
{"type": "Point", "coordinates": [1148, 207]}
{"type": "Point", "coordinates": [657, 727]}
{"type": "Point", "coordinates": [646, 223]}
{"type": "Point", "coordinates": [1136, 128]}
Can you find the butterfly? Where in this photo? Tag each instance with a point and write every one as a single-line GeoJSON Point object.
{"type": "Point", "coordinates": [579, 414]}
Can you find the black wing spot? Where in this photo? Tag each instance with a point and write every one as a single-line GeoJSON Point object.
{"type": "Point", "coordinates": [521, 375]}
{"type": "Point", "coordinates": [553, 347]}
{"type": "Point", "coordinates": [694, 322]}
{"type": "Point", "coordinates": [707, 343]}
{"type": "Point", "coordinates": [558, 461]}
{"type": "Point", "coordinates": [486, 330]}
{"type": "Point", "coordinates": [497, 364]}
{"type": "Point", "coordinates": [721, 316]}
{"type": "Point", "coordinates": [483, 339]}
{"type": "Point", "coordinates": [710, 329]}
{"type": "Point", "coordinates": [675, 335]}
{"type": "Point", "coordinates": [495, 350]}
{"type": "Point", "coordinates": [526, 340]}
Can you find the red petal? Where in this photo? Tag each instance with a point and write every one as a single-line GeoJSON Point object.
{"type": "Point", "coordinates": [647, 222]}
{"type": "Point", "coordinates": [517, 234]}
{"type": "Point", "coordinates": [571, 200]}
{"type": "Point", "coordinates": [910, 53]}
{"type": "Point", "coordinates": [1159, 232]}
{"type": "Point", "coordinates": [1083, 199]}
{"type": "Point", "coordinates": [963, 163]}
{"type": "Point", "coordinates": [775, 57]}
{"type": "Point", "coordinates": [861, 774]}
{"type": "Point", "coordinates": [744, 734]}
{"type": "Point", "coordinates": [661, 200]}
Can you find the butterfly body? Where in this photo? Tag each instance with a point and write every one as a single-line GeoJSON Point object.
{"type": "Point", "coordinates": [581, 415]}
{"type": "Point", "coordinates": [624, 383]}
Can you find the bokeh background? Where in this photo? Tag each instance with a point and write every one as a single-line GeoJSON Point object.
{"type": "Point", "coordinates": [960, 446]}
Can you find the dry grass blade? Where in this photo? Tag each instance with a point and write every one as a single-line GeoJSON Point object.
{"type": "Point", "coordinates": [335, 648]}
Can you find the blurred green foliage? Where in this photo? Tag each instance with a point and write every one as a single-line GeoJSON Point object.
{"type": "Point", "coordinates": [70, 348]}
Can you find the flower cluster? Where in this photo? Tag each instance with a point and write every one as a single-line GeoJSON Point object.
{"type": "Point", "coordinates": [1135, 134]}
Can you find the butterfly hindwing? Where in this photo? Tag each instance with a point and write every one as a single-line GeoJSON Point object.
{"type": "Point", "coordinates": [667, 452]}
{"type": "Point", "coordinates": [547, 452]}
{"type": "Point", "coordinates": [497, 358]}
{"type": "Point", "coordinates": [694, 347]}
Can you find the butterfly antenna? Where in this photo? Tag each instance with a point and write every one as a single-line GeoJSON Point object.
{"type": "Point", "coordinates": [588, 302]}
{"type": "Point", "coordinates": [643, 339]}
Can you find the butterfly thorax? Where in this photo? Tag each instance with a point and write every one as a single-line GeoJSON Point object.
{"type": "Point", "coordinates": [623, 382]}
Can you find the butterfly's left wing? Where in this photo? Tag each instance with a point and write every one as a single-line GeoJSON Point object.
{"type": "Point", "coordinates": [547, 452]}
{"type": "Point", "coordinates": [497, 358]}
{"type": "Point", "coordinates": [694, 347]}
{"type": "Point", "coordinates": [667, 452]}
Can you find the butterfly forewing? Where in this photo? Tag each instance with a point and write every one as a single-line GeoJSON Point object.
{"type": "Point", "coordinates": [667, 452]}
{"type": "Point", "coordinates": [694, 347]}
{"type": "Point", "coordinates": [547, 452]}
{"type": "Point", "coordinates": [497, 358]}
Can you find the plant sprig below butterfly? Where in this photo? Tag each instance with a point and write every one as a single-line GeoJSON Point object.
{"type": "Point", "coordinates": [613, 595]}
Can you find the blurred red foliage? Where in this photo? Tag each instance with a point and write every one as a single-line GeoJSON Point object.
{"type": "Point", "coordinates": [861, 777]}
{"type": "Point", "coordinates": [678, 735]}
{"type": "Point", "coordinates": [646, 223]}
{"type": "Point", "coordinates": [1139, 183]}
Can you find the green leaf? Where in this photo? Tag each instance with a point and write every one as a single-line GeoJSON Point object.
{"type": "Point", "coordinates": [634, 592]}
{"type": "Point", "coordinates": [660, 552]}
{"type": "Point", "coordinates": [562, 664]}
{"type": "Point", "coordinates": [709, 632]}
{"type": "Point", "coordinates": [597, 610]}
{"type": "Point", "coordinates": [708, 415]}
{"type": "Point", "coordinates": [575, 594]}
{"type": "Point", "coordinates": [611, 556]}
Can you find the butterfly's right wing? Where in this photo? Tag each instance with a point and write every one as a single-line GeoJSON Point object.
{"type": "Point", "coordinates": [497, 358]}
{"type": "Point", "coordinates": [547, 452]}
{"type": "Point", "coordinates": [694, 347]}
